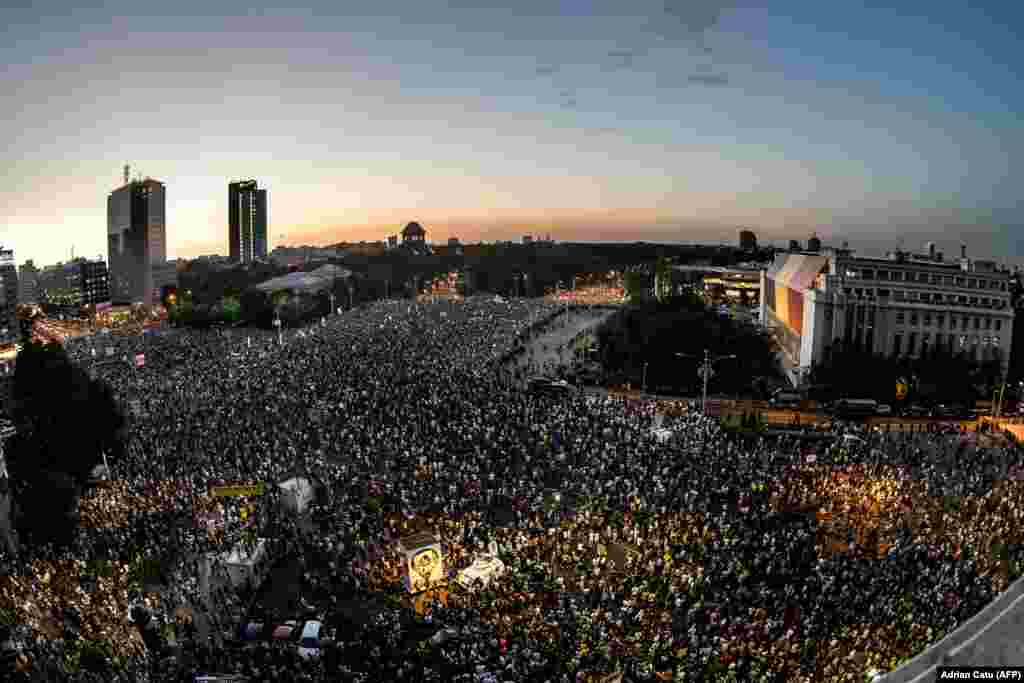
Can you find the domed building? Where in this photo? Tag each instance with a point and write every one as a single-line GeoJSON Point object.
{"type": "Point", "coordinates": [414, 234]}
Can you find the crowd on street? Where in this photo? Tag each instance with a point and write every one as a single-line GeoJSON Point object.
{"type": "Point", "coordinates": [709, 555]}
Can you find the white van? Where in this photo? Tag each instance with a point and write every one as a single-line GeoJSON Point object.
{"type": "Point", "coordinates": [309, 644]}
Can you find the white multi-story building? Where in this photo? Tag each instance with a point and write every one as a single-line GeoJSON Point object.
{"type": "Point", "coordinates": [901, 305]}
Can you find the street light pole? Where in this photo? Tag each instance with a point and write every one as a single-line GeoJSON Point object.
{"type": "Point", "coordinates": [707, 376]}
{"type": "Point", "coordinates": [705, 370]}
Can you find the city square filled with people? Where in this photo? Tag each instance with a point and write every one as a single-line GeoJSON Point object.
{"type": "Point", "coordinates": [709, 555]}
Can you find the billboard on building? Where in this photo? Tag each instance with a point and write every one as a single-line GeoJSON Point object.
{"type": "Point", "coordinates": [784, 295]}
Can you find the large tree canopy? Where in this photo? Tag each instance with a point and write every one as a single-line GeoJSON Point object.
{"type": "Point", "coordinates": [939, 376]}
{"type": "Point", "coordinates": [65, 421]}
{"type": "Point", "coordinates": [654, 333]}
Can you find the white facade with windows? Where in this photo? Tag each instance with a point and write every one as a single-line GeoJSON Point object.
{"type": "Point", "coordinates": [899, 305]}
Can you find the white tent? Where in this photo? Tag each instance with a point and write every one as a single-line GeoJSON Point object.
{"type": "Point", "coordinates": [244, 563]}
{"type": "Point", "coordinates": [297, 493]}
{"type": "Point", "coordinates": [486, 568]}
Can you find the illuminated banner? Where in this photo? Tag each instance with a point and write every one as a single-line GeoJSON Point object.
{"type": "Point", "coordinates": [789, 281]}
{"type": "Point", "coordinates": [902, 387]}
{"type": "Point", "coordinates": [237, 491]}
{"type": "Point", "coordinates": [211, 521]}
{"type": "Point", "coordinates": [423, 562]}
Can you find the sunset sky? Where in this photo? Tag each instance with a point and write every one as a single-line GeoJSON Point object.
{"type": "Point", "coordinates": [642, 120]}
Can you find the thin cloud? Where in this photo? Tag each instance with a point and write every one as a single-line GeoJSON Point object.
{"type": "Point", "coordinates": [692, 19]}
{"type": "Point", "coordinates": [623, 59]}
{"type": "Point", "coordinates": [546, 70]}
{"type": "Point", "coordinates": [708, 79]}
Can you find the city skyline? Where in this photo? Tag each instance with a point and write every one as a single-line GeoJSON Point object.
{"type": "Point", "coordinates": [591, 121]}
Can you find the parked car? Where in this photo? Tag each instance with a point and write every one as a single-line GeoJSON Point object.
{"type": "Point", "coordinates": [313, 638]}
{"type": "Point", "coordinates": [951, 411]}
{"type": "Point", "coordinates": [786, 399]}
{"type": "Point", "coordinates": [855, 407]}
{"type": "Point", "coordinates": [543, 385]}
{"type": "Point", "coordinates": [915, 410]}
{"type": "Point", "coordinates": [269, 631]}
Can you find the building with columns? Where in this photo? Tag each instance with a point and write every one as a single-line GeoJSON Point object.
{"type": "Point", "coordinates": [902, 304]}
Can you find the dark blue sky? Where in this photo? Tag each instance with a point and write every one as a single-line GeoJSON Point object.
{"type": "Point", "coordinates": [641, 120]}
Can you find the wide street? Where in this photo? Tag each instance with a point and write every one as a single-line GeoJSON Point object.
{"type": "Point", "coordinates": [552, 348]}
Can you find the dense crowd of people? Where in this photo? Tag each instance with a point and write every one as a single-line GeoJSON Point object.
{"type": "Point", "coordinates": [705, 556]}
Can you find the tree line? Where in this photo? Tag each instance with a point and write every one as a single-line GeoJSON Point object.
{"type": "Point", "coordinates": [208, 294]}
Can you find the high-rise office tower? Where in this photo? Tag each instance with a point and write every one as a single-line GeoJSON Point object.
{"type": "Point", "coordinates": [8, 297]}
{"type": "Point", "coordinates": [247, 221]}
{"type": "Point", "coordinates": [136, 238]}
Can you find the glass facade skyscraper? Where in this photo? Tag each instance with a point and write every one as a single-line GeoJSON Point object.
{"type": "Point", "coordinates": [136, 239]}
{"type": "Point", "coordinates": [8, 297]}
{"type": "Point", "coordinates": [247, 221]}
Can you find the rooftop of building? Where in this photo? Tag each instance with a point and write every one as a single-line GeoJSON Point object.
{"type": "Point", "coordinates": [315, 280]}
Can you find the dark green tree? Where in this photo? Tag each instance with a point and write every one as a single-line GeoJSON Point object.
{"type": "Point", "coordinates": [655, 333]}
{"type": "Point", "coordinates": [663, 278]}
{"type": "Point", "coordinates": [65, 421]}
{"type": "Point", "coordinates": [634, 285]}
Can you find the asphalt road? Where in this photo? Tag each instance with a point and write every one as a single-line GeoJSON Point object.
{"type": "Point", "coordinates": [547, 350]}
